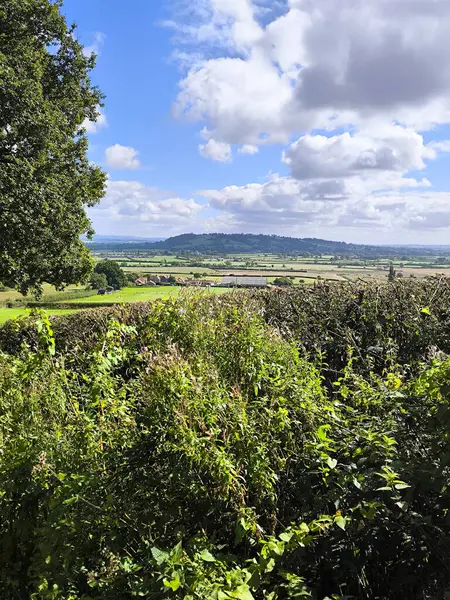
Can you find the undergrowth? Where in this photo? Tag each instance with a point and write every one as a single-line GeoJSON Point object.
{"type": "Point", "coordinates": [232, 447]}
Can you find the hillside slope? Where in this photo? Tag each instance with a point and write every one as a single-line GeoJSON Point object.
{"type": "Point", "coordinates": [220, 243]}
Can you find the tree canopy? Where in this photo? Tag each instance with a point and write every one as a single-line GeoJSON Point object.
{"type": "Point", "coordinates": [116, 278]}
{"type": "Point", "coordinates": [46, 179]}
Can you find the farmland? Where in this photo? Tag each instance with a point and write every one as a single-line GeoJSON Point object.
{"type": "Point", "coordinates": [302, 271]}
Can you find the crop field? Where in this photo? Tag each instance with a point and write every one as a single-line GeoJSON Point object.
{"type": "Point", "coordinates": [309, 269]}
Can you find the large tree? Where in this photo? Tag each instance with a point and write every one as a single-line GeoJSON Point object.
{"type": "Point", "coordinates": [115, 276]}
{"type": "Point", "coordinates": [46, 179]}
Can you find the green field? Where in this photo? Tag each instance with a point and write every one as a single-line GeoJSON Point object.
{"type": "Point", "coordinates": [146, 294]}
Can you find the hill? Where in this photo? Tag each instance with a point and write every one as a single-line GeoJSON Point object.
{"type": "Point", "coordinates": [247, 243]}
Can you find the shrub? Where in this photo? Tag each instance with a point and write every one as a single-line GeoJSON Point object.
{"type": "Point", "coordinates": [215, 447]}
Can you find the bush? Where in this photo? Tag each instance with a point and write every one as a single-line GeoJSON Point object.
{"type": "Point", "coordinates": [251, 445]}
{"type": "Point", "coordinates": [283, 281]}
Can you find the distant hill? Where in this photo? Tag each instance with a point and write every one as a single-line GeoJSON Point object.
{"type": "Point", "coordinates": [247, 243]}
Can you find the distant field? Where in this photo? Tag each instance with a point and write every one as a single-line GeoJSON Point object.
{"type": "Point", "coordinates": [49, 290]}
{"type": "Point", "coordinates": [146, 294]}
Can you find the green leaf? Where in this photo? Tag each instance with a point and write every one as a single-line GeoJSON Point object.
{"type": "Point", "coordinates": [173, 584]}
{"type": "Point", "coordinates": [322, 432]}
{"type": "Point", "coordinates": [401, 486]}
{"type": "Point", "coordinates": [331, 462]}
{"type": "Point", "coordinates": [242, 593]}
{"type": "Point", "coordinates": [207, 556]}
{"type": "Point", "coordinates": [159, 555]}
{"type": "Point", "coordinates": [340, 522]}
{"type": "Point", "coordinates": [426, 310]}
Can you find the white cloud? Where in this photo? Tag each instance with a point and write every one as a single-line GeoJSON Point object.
{"type": "Point", "coordinates": [248, 149]}
{"type": "Point", "coordinates": [134, 208]}
{"type": "Point", "coordinates": [287, 206]}
{"type": "Point", "coordinates": [96, 45]}
{"type": "Point", "coordinates": [387, 149]}
{"type": "Point", "coordinates": [316, 65]}
{"type": "Point", "coordinates": [122, 157]}
{"type": "Point", "coordinates": [215, 150]}
{"type": "Point", "coordinates": [94, 126]}
{"type": "Point", "coordinates": [348, 87]}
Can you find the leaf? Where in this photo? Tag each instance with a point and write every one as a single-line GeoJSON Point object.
{"type": "Point", "coordinates": [322, 432]}
{"type": "Point", "coordinates": [331, 462]}
{"type": "Point", "coordinates": [340, 522]}
{"type": "Point", "coordinates": [426, 310]}
{"type": "Point", "coordinates": [159, 555]}
{"type": "Point", "coordinates": [173, 584]}
{"type": "Point", "coordinates": [242, 593]}
{"type": "Point", "coordinates": [286, 537]}
{"type": "Point", "coordinates": [356, 483]}
{"type": "Point", "coordinates": [70, 501]}
{"type": "Point", "coordinates": [207, 556]}
{"type": "Point", "coordinates": [401, 486]}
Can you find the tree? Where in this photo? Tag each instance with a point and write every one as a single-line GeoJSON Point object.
{"type": "Point", "coordinates": [391, 275]}
{"type": "Point", "coordinates": [283, 281]}
{"type": "Point", "coordinates": [197, 276]}
{"type": "Point", "coordinates": [116, 278]}
{"type": "Point", "coordinates": [98, 281]}
{"type": "Point", "coordinates": [131, 279]}
{"type": "Point", "coordinates": [46, 179]}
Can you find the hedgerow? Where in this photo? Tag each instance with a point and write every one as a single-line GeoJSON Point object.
{"type": "Point", "coordinates": [229, 447]}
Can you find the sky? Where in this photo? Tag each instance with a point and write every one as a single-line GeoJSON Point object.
{"type": "Point", "coordinates": [304, 118]}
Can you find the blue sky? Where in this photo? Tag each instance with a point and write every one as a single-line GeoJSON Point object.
{"type": "Point", "coordinates": [286, 117]}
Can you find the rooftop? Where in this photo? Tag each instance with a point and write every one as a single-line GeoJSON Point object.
{"type": "Point", "coordinates": [245, 281]}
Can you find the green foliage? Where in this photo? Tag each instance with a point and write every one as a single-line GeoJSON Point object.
{"type": "Point", "coordinates": [131, 279]}
{"type": "Point", "coordinates": [115, 276]}
{"type": "Point", "coordinates": [193, 449]}
{"type": "Point", "coordinates": [283, 282]}
{"type": "Point", "coordinates": [46, 179]}
{"type": "Point", "coordinates": [391, 274]}
{"type": "Point", "coordinates": [98, 281]}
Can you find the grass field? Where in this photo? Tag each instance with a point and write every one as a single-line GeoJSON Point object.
{"type": "Point", "coordinates": [146, 294]}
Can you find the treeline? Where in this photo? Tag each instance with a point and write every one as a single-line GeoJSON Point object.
{"type": "Point", "coordinates": [220, 243]}
{"type": "Point", "coordinates": [261, 445]}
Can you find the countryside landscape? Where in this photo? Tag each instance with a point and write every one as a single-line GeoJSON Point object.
{"type": "Point", "coordinates": [251, 411]}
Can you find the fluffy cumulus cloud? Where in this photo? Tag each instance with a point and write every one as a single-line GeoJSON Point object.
{"type": "Point", "coordinates": [122, 157]}
{"type": "Point", "coordinates": [316, 65]}
{"type": "Point", "coordinates": [137, 209]}
{"type": "Point", "coordinates": [349, 89]}
{"type": "Point", "coordinates": [216, 151]}
{"type": "Point", "coordinates": [292, 207]}
{"type": "Point", "coordinates": [248, 149]}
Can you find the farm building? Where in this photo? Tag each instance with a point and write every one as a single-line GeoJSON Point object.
{"type": "Point", "coordinates": [244, 282]}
